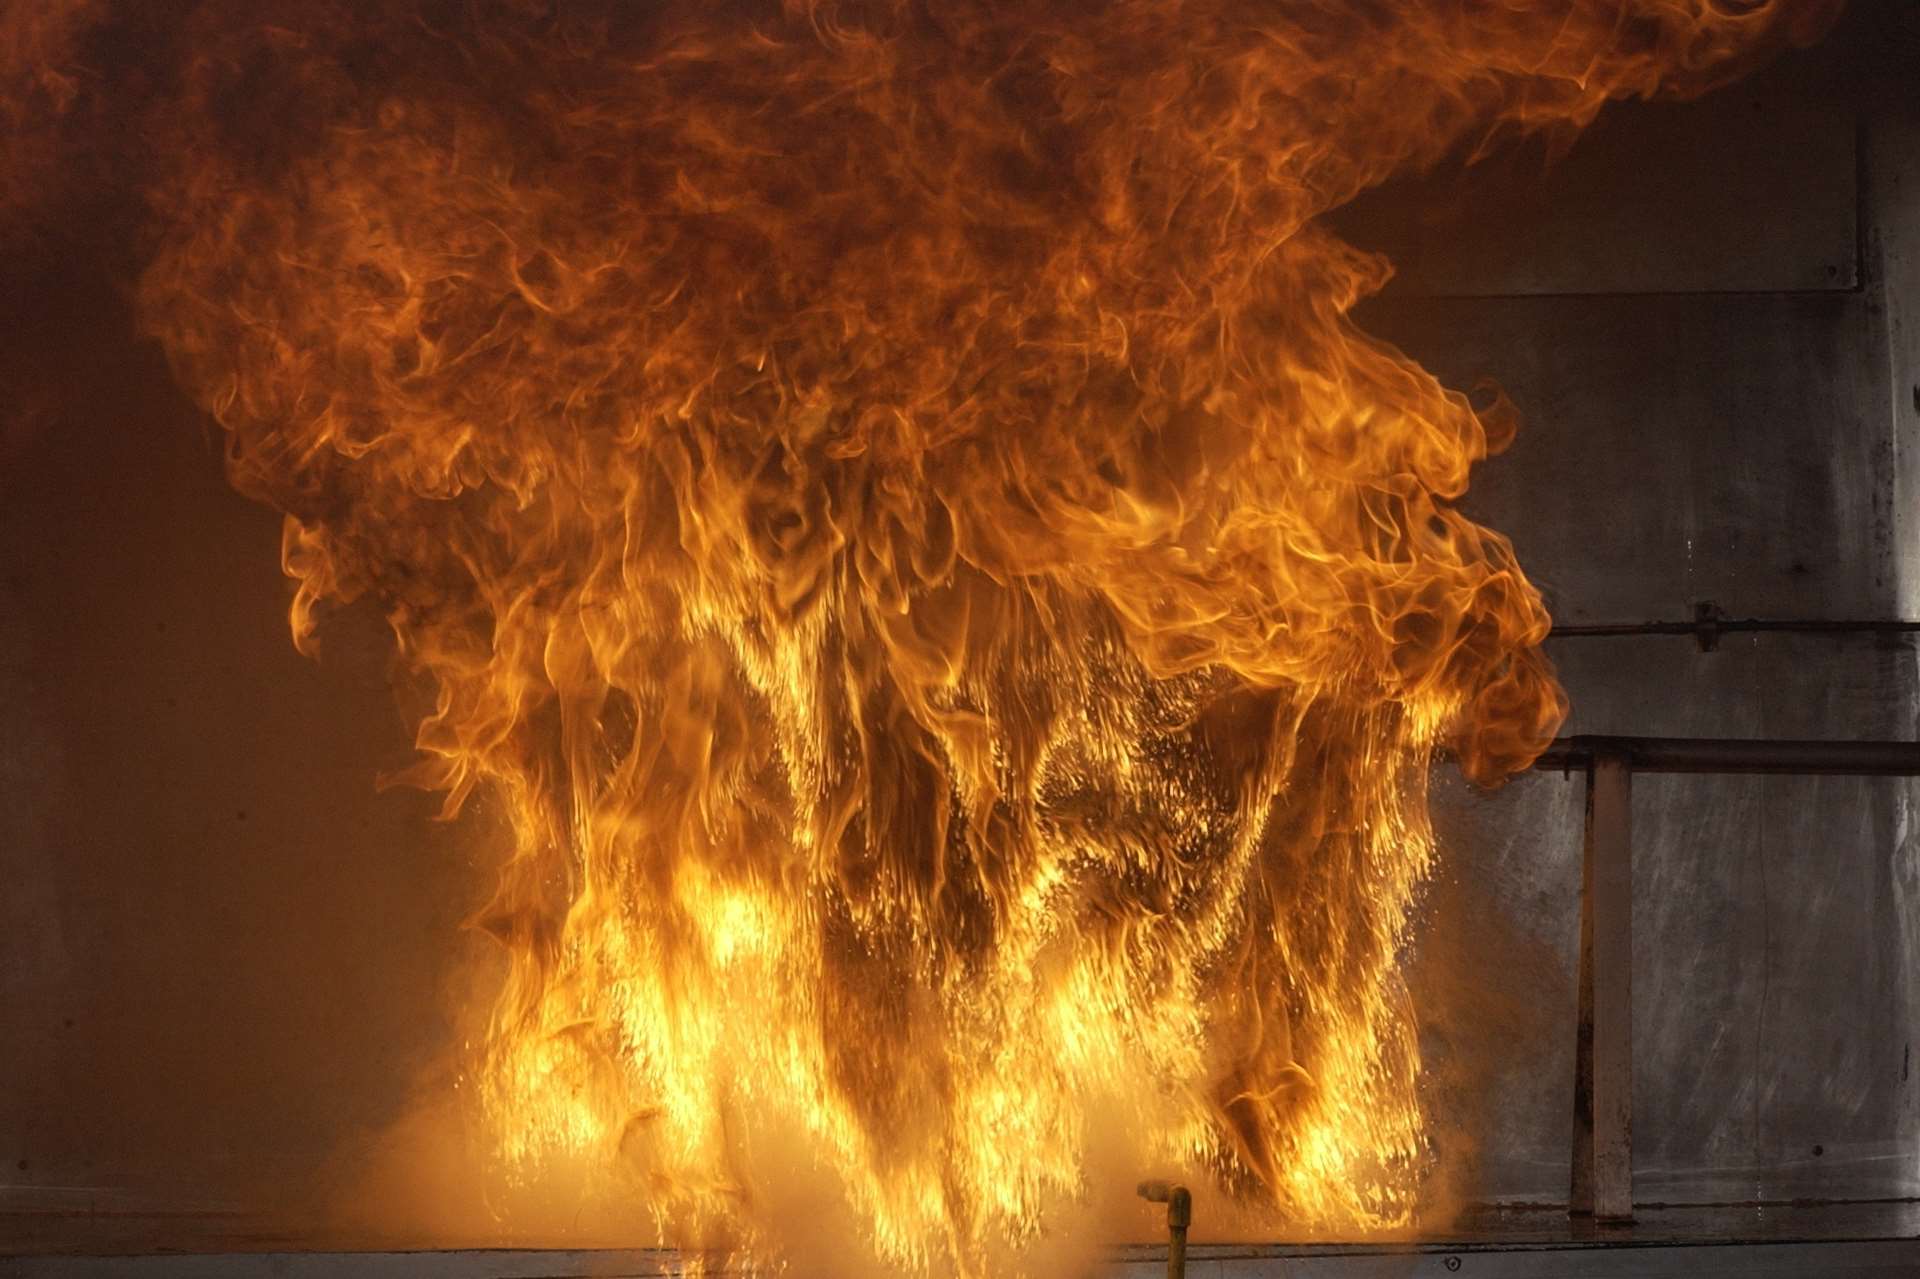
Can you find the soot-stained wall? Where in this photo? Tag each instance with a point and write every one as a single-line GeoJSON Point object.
{"type": "Point", "coordinates": [225, 958]}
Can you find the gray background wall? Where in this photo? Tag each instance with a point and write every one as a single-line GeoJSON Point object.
{"type": "Point", "coordinates": [1709, 316]}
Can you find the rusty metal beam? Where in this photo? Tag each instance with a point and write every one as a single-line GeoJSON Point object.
{"type": "Point", "coordinates": [1602, 1183]}
{"type": "Point", "coordinates": [1738, 625]}
{"type": "Point", "coordinates": [1736, 755]}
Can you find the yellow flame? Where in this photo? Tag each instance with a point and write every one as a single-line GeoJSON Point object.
{"type": "Point", "coordinates": [888, 502]}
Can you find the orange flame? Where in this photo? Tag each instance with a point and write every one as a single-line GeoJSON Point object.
{"type": "Point", "coordinates": [890, 505]}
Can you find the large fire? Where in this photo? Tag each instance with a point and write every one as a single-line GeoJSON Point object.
{"type": "Point", "coordinates": [889, 506]}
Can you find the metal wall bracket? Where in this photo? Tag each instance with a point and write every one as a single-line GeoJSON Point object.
{"type": "Point", "coordinates": [1603, 1045]}
{"type": "Point", "coordinates": [1707, 617]}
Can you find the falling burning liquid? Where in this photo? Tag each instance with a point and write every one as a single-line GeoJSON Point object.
{"type": "Point", "coordinates": [887, 502]}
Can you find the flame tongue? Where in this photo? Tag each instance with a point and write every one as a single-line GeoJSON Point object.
{"type": "Point", "coordinates": [892, 509]}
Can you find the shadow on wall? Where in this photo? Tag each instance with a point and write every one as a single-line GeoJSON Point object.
{"type": "Point", "coordinates": [222, 952]}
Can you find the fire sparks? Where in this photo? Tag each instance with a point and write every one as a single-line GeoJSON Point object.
{"type": "Point", "coordinates": [890, 507]}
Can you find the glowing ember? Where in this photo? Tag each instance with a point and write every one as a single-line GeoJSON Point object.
{"type": "Point", "coordinates": [890, 506]}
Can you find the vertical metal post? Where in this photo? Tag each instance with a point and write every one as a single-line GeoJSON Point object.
{"type": "Point", "coordinates": [1179, 1204]}
{"type": "Point", "coordinates": [1603, 1047]}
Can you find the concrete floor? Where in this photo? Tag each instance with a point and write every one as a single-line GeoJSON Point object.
{"type": "Point", "coordinates": [1862, 1239]}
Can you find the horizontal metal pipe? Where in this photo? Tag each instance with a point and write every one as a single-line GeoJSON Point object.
{"type": "Point", "coordinates": [1727, 625]}
{"type": "Point", "coordinates": [1736, 755]}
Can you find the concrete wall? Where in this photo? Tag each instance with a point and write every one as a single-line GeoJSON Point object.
{"type": "Point", "coordinates": [1720, 412]}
